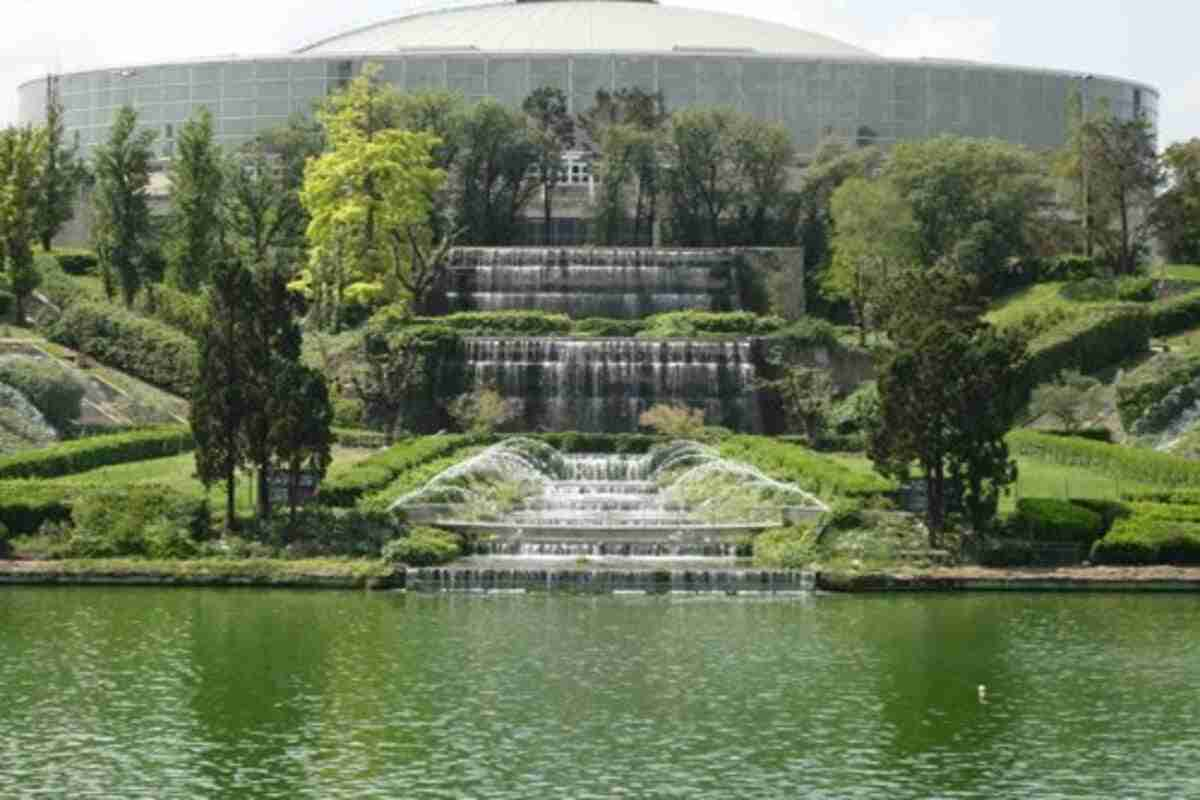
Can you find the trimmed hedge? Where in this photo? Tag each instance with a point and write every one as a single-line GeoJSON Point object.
{"type": "Point", "coordinates": [147, 349]}
{"type": "Point", "coordinates": [502, 323]}
{"type": "Point", "coordinates": [1127, 463]}
{"type": "Point", "coordinates": [376, 472]}
{"type": "Point", "coordinates": [1044, 519]}
{"type": "Point", "coordinates": [424, 547]}
{"type": "Point", "coordinates": [713, 323]}
{"type": "Point", "coordinates": [1091, 434]}
{"type": "Point", "coordinates": [813, 472]}
{"type": "Point", "coordinates": [607, 328]}
{"type": "Point", "coordinates": [1174, 497]}
{"type": "Point", "coordinates": [1142, 539]}
{"type": "Point", "coordinates": [576, 442]}
{"type": "Point", "coordinates": [1088, 343]}
{"type": "Point", "coordinates": [27, 505]}
{"type": "Point", "coordinates": [77, 262]}
{"type": "Point", "coordinates": [1175, 315]}
{"type": "Point", "coordinates": [81, 455]}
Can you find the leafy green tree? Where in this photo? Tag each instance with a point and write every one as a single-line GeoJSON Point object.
{"type": "Point", "coordinates": [807, 395]}
{"type": "Point", "coordinates": [302, 428]}
{"type": "Point", "coordinates": [21, 162]}
{"type": "Point", "coordinates": [948, 395]}
{"type": "Point", "coordinates": [1071, 398]}
{"type": "Point", "coordinates": [497, 174]}
{"type": "Point", "coordinates": [62, 173]}
{"type": "Point", "coordinates": [1176, 215]}
{"type": "Point", "coordinates": [394, 365]}
{"type": "Point", "coordinates": [368, 198]}
{"type": "Point", "coordinates": [875, 238]}
{"type": "Point", "coordinates": [703, 178]}
{"type": "Point", "coordinates": [262, 211]}
{"type": "Point", "coordinates": [627, 130]}
{"type": "Point", "coordinates": [122, 227]}
{"type": "Point", "coordinates": [553, 134]}
{"type": "Point", "coordinates": [1124, 174]}
{"type": "Point", "coordinates": [674, 419]}
{"type": "Point", "coordinates": [482, 411]}
{"type": "Point", "coordinates": [977, 203]}
{"type": "Point", "coordinates": [220, 403]}
{"type": "Point", "coordinates": [763, 156]}
{"type": "Point", "coordinates": [197, 183]}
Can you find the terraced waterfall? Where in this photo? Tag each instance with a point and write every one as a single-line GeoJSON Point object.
{"type": "Point", "coordinates": [522, 497]}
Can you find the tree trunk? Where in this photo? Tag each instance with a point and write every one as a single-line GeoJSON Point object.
{"type": "Point", "coordinates": [230, 501]}
{"type": "Point", "coordinates": [546, 204]}
{"type": "Point", "coordinates": [19, 308]}
{"type": "Point", "coordinates": [935, 514]}
{"type": "Point", "coordinates": [264, 492]}
{"type": "Point", "coordinates": [45, 242]}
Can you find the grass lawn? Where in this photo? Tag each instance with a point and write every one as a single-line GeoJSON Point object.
{"type": "Point", "coordinates": [179, 473]}
{"type": "Point", "coordinates": [1013, 307]}
{"type": "Point", "coordinates": [1177, 272]}
{"type": "Point", "coordinates": [1037, 479]}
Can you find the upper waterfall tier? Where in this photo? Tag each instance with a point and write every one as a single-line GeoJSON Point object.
{"type": "Point", "coordinates": [593, 282]}
{"type": "Point", "coordinates": [605, 384]}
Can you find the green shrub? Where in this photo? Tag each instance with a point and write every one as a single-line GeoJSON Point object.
{"type": "Point", "coordinates": [1089, 290]}
{"type": "Point", "coordinates": [5, 548]}
{"type": "Point", "coordinates": [1087, 343]}
{"type": "Point", "coordinates": [617, 443]}
{"type": "Point", "coordinates": [77, 262]}
{"type": "Point", "coordinates": [1140, 540]}
{"type": "Point", "coordinates": [319, 532]}
{"type": "Point", "coordinates": [115, 522]}
{"type": "Point", "coordinates": [1175, 315]}
{"type": "Point", "coordinates": [1135, 289]}
{"type": "Point", "coordinates": [785, 548]}
{"type": "Point", "coordinates": [690, 324]}
{"type": "Point", "coordinates": [375, 473]}
{"type": "Point", "coordinates": [1070, 267]}
{"type": "Point", "coordinates": [810, 471]}
{"type": "Point", "coordinates": [184, 312]}
{"type": "Point", "coordinates": [166, 541]}
{"type": "Point", "coordinates": [1180, 497]}
{"type": "Point", "coordinates": [423, 547]}
{"type": "Point", "coordinates": [1109, 510]}
{"type": "Point", "coordinates": [7, 303]}
{"type": "Point", "coordinates": [51, 389]}
{"type": "Point", "coordinates": [348, 412]}
{"type": "Point", "coordinates": [27, 505]}
{"type": "Point", "coordinates": [60, 288]}
{"type": "Point", "coordinates": [146, 349]}
{"type": "Point", "coordinates": [81, 455]}
{"type": "Point", "coordinates": [608, 328]}
{"type": "Point", "coordinates": [1046, 519]}
{"type": "Point", "coordinates": [500, 323]}
{"type": "Point", "coordinates": [1114, 461]}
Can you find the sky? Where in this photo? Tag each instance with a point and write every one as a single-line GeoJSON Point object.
{"type": "Point", "coordinates": [1151, 41]}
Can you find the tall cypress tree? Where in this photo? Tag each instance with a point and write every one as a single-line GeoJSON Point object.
{"type": "Point", "coordinates": [220, 402]}
{"type": "Point", "coordinates": [21, 152]}
{"type": "Point", "coordinates": [195, 222]}
{"type": "Point", "coordinates": [62, 173]}
{"type": "Point", "coordinates": [122, 167]}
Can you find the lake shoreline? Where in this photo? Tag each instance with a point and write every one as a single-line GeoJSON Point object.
{"type": "Point", "coordinates": [375, 575]}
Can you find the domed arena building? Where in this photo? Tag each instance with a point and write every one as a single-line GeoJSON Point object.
{"type": "Point", "coordinates": [816, 86]}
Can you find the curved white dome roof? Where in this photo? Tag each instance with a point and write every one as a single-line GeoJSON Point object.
{"type": "Point", "coordinates": [582, 25]}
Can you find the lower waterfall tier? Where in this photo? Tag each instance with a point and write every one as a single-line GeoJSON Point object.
{"type": "Point", "coordinates": [604, 385]}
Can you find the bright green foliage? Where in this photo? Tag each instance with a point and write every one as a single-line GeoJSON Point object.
{"type": "Point", "coordinates": [424, 547]}
{"type": "Point", "coordinates": [482, 411]}
{"type": "Point", "coordinates": [82, 455]}
{"type": "Point", "coordinates": [1088, 343]}
{"type": "Point", "coordinates": [1176, 315]}
{"type": "Point", "coordinates": [1150, 537]}
{"type": "Point", "coordinates": [22, 155]}
{"type": "Point", "coordinates": [786, 548]}
{"type": "Point", "coordinates": [1051, 520]}
{"type": "Point", "coordinates": [61, 173]}
{"type": "Point", "coordinates": [368, 198]}
{"type": "Point", "coordinates": [674, 421]}
{"type": "Point", "coordinates": [1071, 399]}
{"type": "Point", "coordinates": [301, 433]}
{"type": "Point", "coordinates": [195, 226]}
{"type": "Point", "coordinates": [1115, 461]}
{"type": "Point", "coordinates": [1176, 215]}
{"type": "Point", "coordinates": [688, 324]}
{"type": "Point", "coordinates": [977, 203]}
{"type": "Point", "coordinates": [141, 520]}
{"type": "Point", "coordinates": [27, 505]}
{"type": "Point", "coordinates": [379, 470]}
{"type": "Point", "coordinates": [807, 396]}
{"type": "Point", "coordinates": [145, 348]}
{"type": "Point", "coordinates": [49, 387]}
{"type": "Point", "coordinates": [122, 226]}
{"type": "Point", "coordinates": [811, 471]}
{"type": "Point", "coordinates": [875, 238]}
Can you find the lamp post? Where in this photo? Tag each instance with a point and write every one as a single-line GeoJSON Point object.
{"type": "Point", "coordinates": [1084, 80]}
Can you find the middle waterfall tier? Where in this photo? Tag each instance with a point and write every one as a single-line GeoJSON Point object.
{"type": "Point", "coordinates": [614, 283]}
{"type": "Point", "coordinates": [605, 384]}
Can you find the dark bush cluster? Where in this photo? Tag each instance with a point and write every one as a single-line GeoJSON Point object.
{"type": "Point", "coordinates": [143, 520]}
{"type": "Point", "coordinates": [811, 471]}
{"type": "Point", "coordinates": [1146, 538]}
{"type": "Point", "coordinates": [82, 455]}
{"type": "Point", "coordinates": [1044, 519]}
{"type": "Point", "coordinates": [1087, 343]}
{"type": "Point", "coordinates": [1175, 315]}
{"type": "Point", "coordinates": [77, 262]}
{"type": "Point", "coordinates": [145, 348]}
{"type": "Point", "coordinates": [27, 505]}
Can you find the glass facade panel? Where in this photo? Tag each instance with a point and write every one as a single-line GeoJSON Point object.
{"type": "Point", "coordinates": [719, 82]}
{"type": "Point", "coordinates": [175, 75]}
{"type": "Point", "coordinates": [273, 70]}
{"type": "Point", "coordinates": [466, 75]}
{"type": "Point", "coordinates": [238, 71]}
{"type": "Point", "coordinates": [677, 82]}
{"type": "Point", "coordinates": [208, 91]}
{"type": "Point", "coordinates": [550, 72]}
{"type": "Point", "coordinates": [237, 108]}
{"type": "Point", "coordinates": [761, 94]}
{"type": "Point", "coordinates": [589, 75]}
{"type": "Point", "coordinates": [425, 73]}
{"type": "Point", "coordinates": [274, 106]}
{"type": "Point", "coordinates": [274, 89]}
{"type": "Point", "coordinates": [634, 71]}
{"type": "Point", "coordinates": [308, 69]}
{"type": "Point", "coordinates": [244, 91]}
{"type": "Point", "coordinates": [206, 73]}
{"type": "Point", "coordinates": [507, 79]}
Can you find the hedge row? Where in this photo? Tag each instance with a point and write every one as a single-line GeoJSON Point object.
{"type": "Point", "coordinates": [81, 455]}
{"type": "Point", "coordinates": [1175, 315]}
{"type": "Point", "coordinates": [1175, 497]}
{"type": "Point", "coordinates": [1144, 539]}
{"type": "Point", "coordinates": [144, 348]}
{"type": "Point", "coordinates": [672, 324]}
{"type": "Point", "coordinates": [26, 505]}
{"type": "Point", "coordinates": [815, 473]}
{"type": "Point", "coordinates": [1125, 463]}
{"type": "Point", "coordinates": [497, 323]}
{"type": "Point", "coordinates": [1044, 519]}
{"type": "Point", "coordinates": [1088, 343]}
{"type": "Point", "coordinates": [375, 473]}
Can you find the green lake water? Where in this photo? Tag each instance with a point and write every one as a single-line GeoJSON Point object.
{"type": "Point", "coordinates": [184, 693]}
